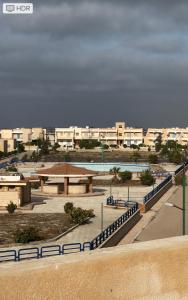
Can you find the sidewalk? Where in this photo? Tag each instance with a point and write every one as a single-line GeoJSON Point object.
{"type": "Point", "coordinates": [147, 218]}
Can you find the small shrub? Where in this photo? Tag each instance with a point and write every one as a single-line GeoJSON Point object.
{"type": "Point", "coordinates": [80, 216]}
{"type": "Point", "coordinates": [146, 178]}
{"type": "Point", "coordinates": [90, 213]}
{"type": "Point", "coordinates": [153, 159]}
{"type": "Point", "coordinates": [35, 185]}
{"type": "Point", "coordinates": [11, 207]}
{"type": "Point", "coordinates": [68, 207]}
{"type": "Point", "coordinates": [12, 169]}
{"type": "Point", "coordinates": [26, 235]}
{"type": "Point", "coordinates": [126, 175]}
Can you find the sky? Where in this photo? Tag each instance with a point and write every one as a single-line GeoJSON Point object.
{"type": "Point", "coordinates": [95, 62]}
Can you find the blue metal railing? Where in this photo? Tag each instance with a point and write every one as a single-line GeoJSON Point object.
{"type": "Point", "coordinates": [119, 202]}
{"type": "Point", "coordinates": [51, 250]}
{"type": "Point", "coordinates": [157, 189]}
{"type": "Point", "coordinates": [181, 168]}
{"type": "Point", "coordinates": [44, 251]}
{"type": "Point", "coordinates": [99, 239]}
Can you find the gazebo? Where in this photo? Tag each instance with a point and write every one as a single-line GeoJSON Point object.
{"type": "Point", "coordinates": [66, 171]}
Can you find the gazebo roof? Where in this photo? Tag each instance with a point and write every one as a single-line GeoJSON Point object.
{"type": "Point", "coordinates": [66, 170]}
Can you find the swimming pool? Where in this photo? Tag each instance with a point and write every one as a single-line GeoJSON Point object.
{"type": "Point", "coordinates": [105, 167]}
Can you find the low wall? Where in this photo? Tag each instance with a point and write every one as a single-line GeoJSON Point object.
{"type": "Point", "coordinates": [77, 189]}
{"type": "Point", "coordinates": [148, 205]}
{"type": "Point", "coordinates": [117, 236]}
{"type": "Point", "coordinates": [156, 270]}
{"type": "Point", "coordinates": [8, 196]}
{"type": "Point", "coordinates": [51, 189]}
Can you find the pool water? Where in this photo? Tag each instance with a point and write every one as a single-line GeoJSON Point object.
{"type": "Point", "coordinates": [105, 167]}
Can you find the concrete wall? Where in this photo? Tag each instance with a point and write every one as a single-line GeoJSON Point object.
{"type": "Point", "coordinates": [77, 189]}
{"type": "Point", "coordinates": [50, 189]}
{"type": "Point", "coordinates": [117, 236]}
{"type": "Point", "coordinates": [155, 270]}
{"type": "Point", "coordinates": [6, 197]}
{"type": "Point", "coordinates": [145, 207]}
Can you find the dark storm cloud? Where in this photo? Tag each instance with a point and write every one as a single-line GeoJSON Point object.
{"type": "Point", "coordinates": [70, 58]}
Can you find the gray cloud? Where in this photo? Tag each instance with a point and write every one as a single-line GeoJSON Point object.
{"type": "Point", "coordinates": [94, 62]}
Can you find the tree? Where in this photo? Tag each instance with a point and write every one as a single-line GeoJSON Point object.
{"type": "Point", "coordinates": [146, 178]}
{"type": "Point", "coordinates": [126, 175]}
{"type": "Point", "coordinates": [34, 156]}
{"type": "Point", "coordinates": [115, 171]}
{"type": "Point", "coordinates": [55, 147]}
{"type": "Point", "coordinates": [136, 156]}
{"type": "Point", "coordinates": [164, 151]}
{"type": "Point", "coordinates": [44, 149]}
{"type": "Point", "coordinates": [175, 156]}
{"type": "Point", "coordinates": [153, 159]}
{"type": "Point", "coordinates": [25, 157]}
{"type": "Point", "coordinates": [158, 142]}
{"type": "Point", "coordinates": [20, 147]}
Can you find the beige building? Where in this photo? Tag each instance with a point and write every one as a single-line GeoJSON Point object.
{"type": "Point", "coordinates": [119, 135]}
{"type": "Point", "coordinates": [23, 135]}
{"type": "Point", "coordinates": [180, 135]}
{"type": "Point", "coordinates": [7, 145]}
{"type": "Point", "coordinates": [15, 189]}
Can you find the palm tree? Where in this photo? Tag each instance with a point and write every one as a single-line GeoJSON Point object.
{"type": "Point", "coordinates": [115, 171]}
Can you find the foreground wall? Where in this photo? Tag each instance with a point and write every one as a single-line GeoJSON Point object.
{"type": "Point", "coordinates": [150, 270]}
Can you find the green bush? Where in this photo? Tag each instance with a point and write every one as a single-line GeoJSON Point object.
{"type": "Point", "coordinates": [80, 216]}
{"type": "Point", "coordinates": [66, 157]}
{"type": "Point", "coordinates": [68, 207]}
{"type": "Point", "coordinates": [153, 159]}
{"type": "Point", "coordinates": [11, 207]}
{"type": "Point", "coordinates": [12, 169]}
{"type": "Point", "coordinates": [146, 178]}
{"type": "Point", "coordinates": [175, 156]}
{"type": "Point", "coordinates": [126, 175]}
{"type": "Point", "coordinates": [26, 235]}
{"type": "Point", "coordinates": [35, 185]}
{"type": "Point", "coordinates": [89, 144]}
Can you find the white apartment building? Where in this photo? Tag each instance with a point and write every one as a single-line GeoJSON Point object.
{"type": "Point", "coordinates": [68, 138]}
{"type": "Point", "coordinates": [180, 135]}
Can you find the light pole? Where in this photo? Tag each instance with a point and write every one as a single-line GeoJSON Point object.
{"type": "Point", "coordinates": [102, 153]}
{"type": "Point", "coordinates": [183, 200]}
{"type": "Point", "coordinates": [102, 216]}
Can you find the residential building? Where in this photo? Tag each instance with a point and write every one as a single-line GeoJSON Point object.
{"type": "Point", "coordinates": [23, 135]}
{"type": "Point", "coordinates": [14, 188]}
{"type": "Point", "coordinates": [180, 135]}
{"type": "Point", "coordinates": [119, 135]}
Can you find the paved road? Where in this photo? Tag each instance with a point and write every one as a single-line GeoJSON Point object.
{"type": "Point", "coordinates": [168, 221]}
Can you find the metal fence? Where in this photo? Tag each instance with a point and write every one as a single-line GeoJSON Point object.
{"type": "Point", "coordinates": [181, 168]}
{"type": "Point", "coordinates": [52, 250]}
{"type": "Point", "coordinates": [157, 189]}
{"type": "Point", "coordinates": [41, 252]}
{"type": "Point", "coordinates": [99, 239]}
